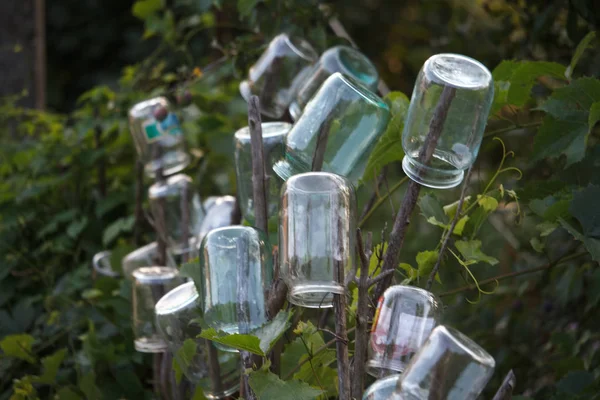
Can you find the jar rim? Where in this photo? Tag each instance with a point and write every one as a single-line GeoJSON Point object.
{"type": "Point", "coordinates": [478, 77]}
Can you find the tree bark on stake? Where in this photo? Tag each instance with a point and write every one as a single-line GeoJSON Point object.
{"type": "Point", "coordinates": [412, 193]}
{"type": "Point", "coordinates": [506, 389]}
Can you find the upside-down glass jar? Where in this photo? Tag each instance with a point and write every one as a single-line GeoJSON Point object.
{"type": "Point", "coordinates": [273, 134]}
{"type": "Point", "coordinates": [449, 366]}
{"type": "Point", "coordinates": [216, 372]}
{"type": "Point", "coordinates": [150, 284]}
{"type": "Point", "coordinates": [317, 223]}
{"type": "Point", "coordinates": [159, 141]}
{"type": "Point", "coordinates": [382, 389]}
{"type": "Point", "coordinates": [336, 132]}
{"type": "Point", "coordinates": [446, 119]}
{"type": "Point", "coordinates": [144, 256]}
{"type": "Point", "coordinates": [236, 269]}
{"type": "Point", "coordinates": [275, 77]}
{"type": "Point", "coordinates": [405, 317]}
{"type": "Point", "coordinates": [344, 59]}
{"type": "Point", "coordinates": [103, 266]}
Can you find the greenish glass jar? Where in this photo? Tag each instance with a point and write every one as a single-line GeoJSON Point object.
{"type": "Point", "coordinates": [344, 120]}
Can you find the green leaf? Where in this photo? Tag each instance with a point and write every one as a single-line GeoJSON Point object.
{"type": "Point", "coordinates": [87, 384]}
{"type": "Point", "coordinates": [460, 225]}
{"type": "Point", "coordinates": [19, 346]}
{"type": "Point", "coordinates": [267, 386]}
{"type": "Point", "coordinates": [546, 228]}
{"type": "Point", "coordinates": [594, 115]}
{"type": "Point", "coordinates": [116, 228]}
{"type": "Point", "coordinates": [185, 355]}
{"type": "Point", "coordinates": [76, 227]}
{"type": "Point", "coordinates": [65, 393]}
{"type": "Point", "coordinates": [584, 207]}
{"type": "Point", "coordinates": [585, 44]}
{"type": "Point", "coordinates": [425, 261]}
{"type": "Point", "coordinates": [191, 270]}
{"type": "Point", "coordinates": [389, 147]}
{"type": "Point", "coordinates": [199, 394]}
{"type": "Point", "coordinates": [450, 209]}
{"type": "Point", "coordinates": [537, 244]}
{"type": "Point", "coordinates": [245, 7]}
{"type": "Point", "coordinates": [270, 332]}
{"type": "Point", "coordinates": [471, 251]}
{"type": "Point", "coordinates": [143, 9]}
{"type": "Point", "coordinates": [51, 364]}
{"type": "Point", "coordinates": [592, 245]}
{"type": "Point", "coordinates": [432, 210]}
{"type": "Point", "coordinates": [488, 203]}
{"type": "Point", "coordinates": [575, 382]}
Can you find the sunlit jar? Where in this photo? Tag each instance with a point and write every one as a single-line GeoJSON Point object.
{"type": "Point", "coordinates": [159, 143]}
{"type": "Point", "coordinates": [172, 203]}
{"type": "Point", "coordinates": [275, 77]}
{"type": "Point", "coordinates": [382, 389]}
{"type": "Point", "coordinates": [405, 316]}
{"type": "Point", "coordinates": [317, 223]}
{"type": "Point", "coordinates": [273, 134]}
{"type": "Point", "coordinates": [455, 92]}
{"type": "Point", "coordinates": [345, 119]}
{"type": "Point", "coordinates": [344, 59]}
{"type": "Point", "coordinates": [236, 269]}
{"type": "Point", "coordinates": [449, 366]}
{"type": "Point", "coordinates": [214, 371]}
{"type": "Point", "coordinates": [150, 284]}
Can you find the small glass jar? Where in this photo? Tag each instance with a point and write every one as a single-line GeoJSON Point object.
{"type": "Point", "coordinates": [382, 389]}
{"type": "Point", "coordinates": [215, 371]}
{"type": "Point", "coordinates": [170, 200]}
{"type": "Point", "coordinates": [347, 119]}
{"type": "Point", "coordinates": [317, 223]}
{"type": "Point", "coordinates": [468, 87]}
{"type": "Point", "coordinates": [103, 266]}
{"type": "Point", "coordinates": [344, 59]}
{"type": "Point", "coordinates": [151, 283]}
{"type": "Point", "coordinates": [236, 269]}
{"type": "Point", "coordinates": [277, 74]}
{"type": "Point", "coordinates": [449, 366]}
{"type": "Point", "coordinates": [144, 256]}
{"type": "Point", "coordinates": [221, 214]}
{"type": "Point", "coordinates": [159, 144]}
{"type": "Point", "coordinates": [273, 134]}
{"type": "Point", "coordinates": [405, 316]}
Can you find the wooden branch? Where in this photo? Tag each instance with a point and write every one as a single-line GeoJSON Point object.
{"type": "Point", "coordinates": [412, 193]}
{"type": "Point", "coordinates": [507, 387]}
{"type": "Point", "coordinates": [139, 198]}
{"type": "Point", "coordinates": [259, 176]}
{"type": "Point", "coordinates": [457, 216]}
{"type": "Point", "coordinates": [362, 320]}
{"type": "Point", "coordinates": [319, 153]}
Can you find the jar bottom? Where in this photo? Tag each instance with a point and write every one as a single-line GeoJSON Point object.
{"type": "Point", "coordinates": [150, 345]}
{"type": "Point", "coordinates": [380, 370]}
{"type": "Point", "coordinates": [431, 177]}
{"type": "Point", "coordinates": [224, 394]}
{"type": "Point", "coordinates": [314, 296]}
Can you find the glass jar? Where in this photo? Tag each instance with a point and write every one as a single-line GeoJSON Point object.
{"type": "Point", "coordinates": [273, 134]}
{"type": "Point", "coordinates": [405, 316]}
{"type": "Point", "coordinates": [382, 389]}
{"type": "Point", "coordinates": [346, 119]}
{"type": "Point", "coordinates": [172, 202]}
{"type": "Point", "coordinates": [277, 74]}
{"type": "Point", "coordinates": [317, 223]}
{"type": "Point", "coordinates": [457, 92]}
{"type": "Point", "coordinates": [214, 371]}
{"type": "Point", "coordinates": [449, 366]}
{"type": "Point", "coordinates": [103, 266]}
{"type": "Point", "coordinates": [236, 269]}
{"type": "Point", "coordinates": [144, 256]}
{"type": "Point", "coordinates": [150, 284]}
{"type": "Point", "coordinates": [221, 214]}
{"type": "Point", "coordinates": [344, 59]}
{"type": "Point", "coordinates": [159, 144]}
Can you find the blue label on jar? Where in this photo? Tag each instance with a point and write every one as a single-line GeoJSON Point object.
{"type": "Point", "coordinates": [170, 125]}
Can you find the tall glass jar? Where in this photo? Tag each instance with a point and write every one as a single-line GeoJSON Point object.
{"type": "Point", "coordinates": [344, 59]}
{"type": "Point", "coordinates": [317, 223]}
{"type": "Point", "coordinates": [277, 74]}
{"type": "Point", "coordinates": [159, 141]}
{"type": "Point", "coordinates": [273, 134]}
{"type": "Point", "coordinates": [344, 120]}
{"type": "Point", "coordinates": [446, 119]}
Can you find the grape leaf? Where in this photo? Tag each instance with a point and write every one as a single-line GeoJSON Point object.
{"type": "Point", "coordinates": [425, 261]}
{"type": "Point", "coordinates": [145, 8]}
{"type": "Point", "coordinates": [592, 245]}
{"type": "Point", "coordinates": [389, 147]}
{"type": "Point", "coordinates": [471, 251]}
{"type": "Point", "coordinates": [432, 210]}
{"type": "Point", "coordinates": [584, 207]}
{"type": "Point", "coordinates": [583, 45]}
{"type": "Point", "coordinates": [594, 115]}
{"type": "Point", "coordinates": [267, 385]}
{"type": "Point", "coordinates": [51, 364]}
{"type": "Point", "coordinates": [18, 346]}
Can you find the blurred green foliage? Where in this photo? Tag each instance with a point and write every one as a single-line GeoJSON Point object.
{"type": "Point", "coordinates": [66, 334]}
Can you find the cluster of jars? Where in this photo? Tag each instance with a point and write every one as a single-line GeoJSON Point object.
{"type": "Point", "coordinates": [313, 166]}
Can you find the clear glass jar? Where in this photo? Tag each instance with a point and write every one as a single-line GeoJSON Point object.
{"type": "Point", "coordinates": [215, 371]}
{"type": "Point", "coordinates": [449, 366]}
{"type": "Point", "coordinates": [317, 223]}
{"type": "Point", "coordinates": [144, 256]}
{"type": "Point", "coordinates": [344, 59]}
{"type": "Point", "coordinates": [150, 284]}
{"type": "Point", "coordinates": [169, 201]}
{"type": "Point", "coordinates": [273, 134]}
{"type": "Point", "coordinates": [405, 316]}
{"type": "Point", "coordinates": [469, 88]}
{"type": "Point", "coordinates": [159, 144]}
{"type": "Point", "coordinates": [236, 269]}
{"type": "Point", "coordinates": [221, 214]}
{"type": "Point", "coordinates": [343, 116]}
{"type": "Point", "coordinates": [103, 266]}
{"type": "Point", "coordinates": [277, 74]}
{"type": "Point", "coordinates": [382, 389]}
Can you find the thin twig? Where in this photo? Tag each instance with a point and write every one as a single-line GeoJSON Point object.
{"type": "Point", "coordinates": [450, 230]}
{"type": "Point", "coordinates": [507, 387]}
{"type": "Point", "coordinates": [259, 177]}
{"type": "Point", "coordinates": [412, 193]}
